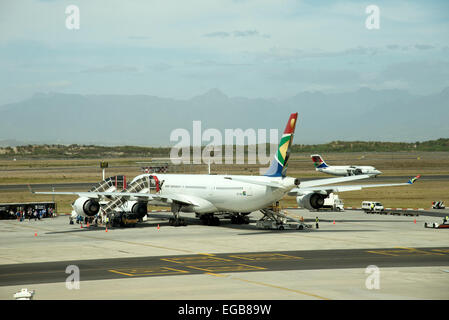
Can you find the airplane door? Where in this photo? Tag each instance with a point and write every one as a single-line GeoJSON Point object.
{"type": "Point", "coordinates": [154, 184]}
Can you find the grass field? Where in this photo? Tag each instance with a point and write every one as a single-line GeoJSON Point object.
{"type": "Point", "coordinates": [420, 195]}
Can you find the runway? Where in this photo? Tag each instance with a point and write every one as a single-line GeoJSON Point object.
{"type": "Point", "coordinates": [101, 269]}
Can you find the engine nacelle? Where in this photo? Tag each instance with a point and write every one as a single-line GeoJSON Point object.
{"type": "Point", "coordinates": [138, 207]}
{"type": "Point", "coordinates": [84, 206]}
{"type": "Point", "coordinates": [311, 201]}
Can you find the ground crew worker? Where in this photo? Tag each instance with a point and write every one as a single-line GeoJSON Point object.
{"type": "Point", "coordinates": [445, 220]}
{"type": "Point", "coordinates": [317, 221]}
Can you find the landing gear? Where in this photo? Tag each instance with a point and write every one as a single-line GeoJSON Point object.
{"type": "Point", "coordinates": [239, 219]}
{"type": "Point", "coordinates": [209, 220]}
{"type": "Point", "coordinates": [176, 221]}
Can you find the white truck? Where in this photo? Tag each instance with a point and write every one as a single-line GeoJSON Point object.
{"type": "Point", "coordinates": [372, 206]}
{"type": "Point", "coordinates": [333, 202]}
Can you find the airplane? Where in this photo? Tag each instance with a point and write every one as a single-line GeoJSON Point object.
{"type": "Point", "coordinates": [207, 195]}
{"type": "Point", "coordinates": [320, 165]}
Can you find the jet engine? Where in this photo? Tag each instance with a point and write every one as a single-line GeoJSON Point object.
{"type": "Point", "coordinates": [311, 201]}
{"type": "Point", "coordinates": [138, 207]}
{"type": "Point", "coordinates": [84, 206]}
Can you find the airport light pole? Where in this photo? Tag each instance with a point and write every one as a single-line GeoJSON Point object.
{"type": "Point", "coordinates": [103, 165]}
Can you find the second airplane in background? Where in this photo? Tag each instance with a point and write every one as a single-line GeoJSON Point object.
{"type": "Point", "coordinates": [344, 171]}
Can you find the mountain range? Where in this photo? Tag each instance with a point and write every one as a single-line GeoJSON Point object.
{"type": "Point", "coordinates": [364, 114]}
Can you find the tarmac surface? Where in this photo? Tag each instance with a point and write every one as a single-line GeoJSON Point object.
{"type": "Point", "coordinates": [100, 269]}
{"type": "Point", "coordinates": [158, 261]}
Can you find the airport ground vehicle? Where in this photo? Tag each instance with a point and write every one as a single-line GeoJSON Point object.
{"type": "Point", "coordinates": [275, 219]}
{"type": "Point", "coordinates": [273, 225]}
{"type": "Point", "coordinates": [372, 206]}
{"type": "Point", "coordinates": [435, 225]}
{"type": "Point", "coordinates": [333, 202]}
{"type": "Point", "coordinates": [124, 219]}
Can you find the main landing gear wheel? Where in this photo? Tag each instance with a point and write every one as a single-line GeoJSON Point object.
{"type": "Point", "coordinates": [177, 222]}
{"type": "Point", "coordinates": [239, 219]}
{"type": "Point", "coordinates": [210, 220]}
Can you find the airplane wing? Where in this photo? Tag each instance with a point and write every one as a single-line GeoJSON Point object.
{"type": "Point", "coordinates": [322, 182]}
{"type": "Point", "coordinates": [328, 189]}
{"type": "Point", "coordinates": [142, 196]}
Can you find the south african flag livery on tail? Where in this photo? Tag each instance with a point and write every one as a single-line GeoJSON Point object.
{"type": "Point", "coordinates": [318, 162]}
{"type": "Point", "coordinates": [278, 167]}
{"type": "Point", "coordinates": [412, 181]}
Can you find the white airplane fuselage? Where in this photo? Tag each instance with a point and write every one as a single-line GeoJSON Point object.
{"type": "Point", "coordinates": [349, 170]}
{"type": "Point", "coordinates": [219, 193]}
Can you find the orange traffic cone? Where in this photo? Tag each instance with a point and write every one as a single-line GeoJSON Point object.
{"type": "Point", "coordinates": [334, 222]}
{"type": "Point", "coordinates": [106, 229]}
{"type": "Point", "coordinates": [414, 221]}
{"type": "Point", "coordinates": [35, 234]}
{"type": "Point", "coordinates": [158, 227]}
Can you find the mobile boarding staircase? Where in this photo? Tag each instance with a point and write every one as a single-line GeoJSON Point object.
{"type": "Point", "coordinates": [134, 187]}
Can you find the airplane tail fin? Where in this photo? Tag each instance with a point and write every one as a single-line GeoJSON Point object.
{"type": "Point", "coordinates": [318, 161]}
{"type": "Point", "coordinates": [412, 181]}
{"type": "Point", "coordinates": [278, 167]}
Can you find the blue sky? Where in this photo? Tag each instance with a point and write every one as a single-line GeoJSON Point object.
{"type": "Point", "coordinates": [260, 48]}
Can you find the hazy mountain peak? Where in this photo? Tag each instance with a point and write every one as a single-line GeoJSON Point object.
{"type": "Point", "coordinates": [445, 92]}
{"type": "Point", "coordinates": [212, 94]}
{"type": "Point", "coordinates": [43, 95]}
